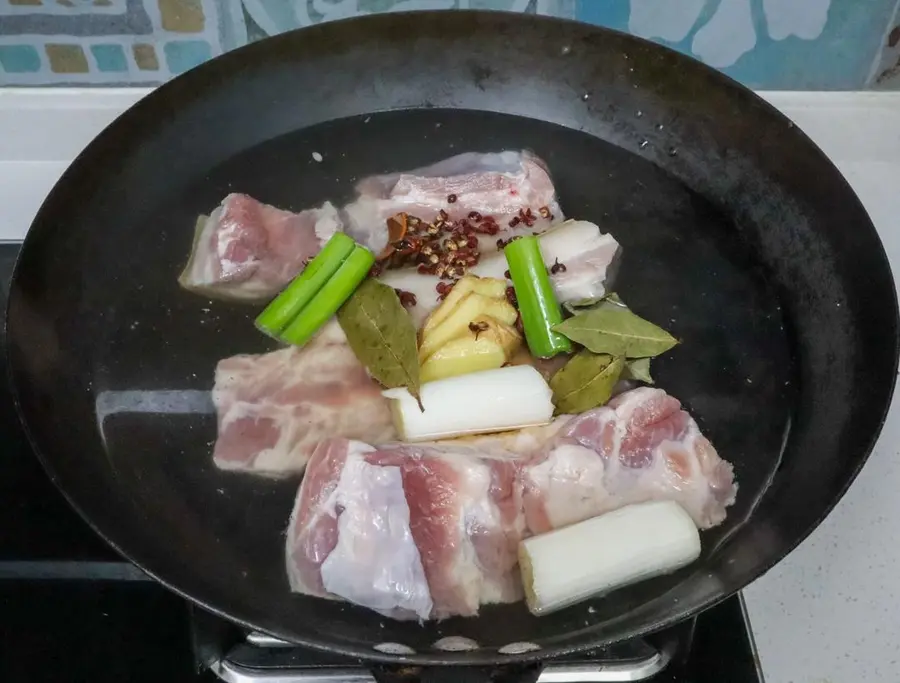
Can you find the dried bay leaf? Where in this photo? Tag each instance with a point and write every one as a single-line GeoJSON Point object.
{"type": "Point", "coordinates": [576, 307]}
{"type": "Point", "coordinates": [638, 370]}
{"type": "Point", "coordinates": [585, 382]}
{"type": "Point", "coordinates": [382, 335]}
{"type": "Point", "coordinates": [611, 300]}
{"type": "Point", "coordinates": [617, 331]}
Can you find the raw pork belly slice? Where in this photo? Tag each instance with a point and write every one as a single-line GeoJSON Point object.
{"type": "Point", "coordinates": [248, 250]}
{"type": "Point", "coordinates": [357, 509]}
{"type": "Point", "coordinates": [641, 446]}
{"type": "Point", "coordinates": [349, 534]}
{"type": "Point", "coordinates": [273, 409]}
{"type": "Point", "coordinates": [495, 184]}
{"type": "Point", "coordinates": [591, 259]}
{"type": "Point", "coordinates": [466, 521]}
{"type": "Point", "coordinates": [522, 444]}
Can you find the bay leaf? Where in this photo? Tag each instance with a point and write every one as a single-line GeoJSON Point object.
{"type": "Point", "coordinates": [575, 307]}
{"type": "Point", "coordinates": [638, 370]}
{"type": "Point", "coordinates": [616, 331]}
{"type": "Point", "coordinates": [382, 335]}
{"type": "Point", "coordinates": [611, 300]}
{"type": "Point", "coordinates": [585, 382]}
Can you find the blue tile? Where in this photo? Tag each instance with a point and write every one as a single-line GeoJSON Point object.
{"type": "Point", "coordinates": [611, 13]}
{"type": "Point", "coordinates": [110, 57]}
{"type": "Point", "coordinates": [186, 54]}
{"type": "Point", "coordinates": [831, 48]}
{"type": "Point", "coordinates": [19, 59]}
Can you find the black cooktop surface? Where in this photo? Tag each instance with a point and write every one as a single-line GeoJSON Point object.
{"type": "Point", "coordinates": [72, 610]}
{"type": "Point", "coordinates": [41, 525]}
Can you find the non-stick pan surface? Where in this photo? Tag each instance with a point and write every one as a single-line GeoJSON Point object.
{"type": "Point", "coordinates": [739, 235]}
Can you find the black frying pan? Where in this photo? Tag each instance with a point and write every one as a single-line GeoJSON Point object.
{"type": "Point", "coordinates": [738, 234]}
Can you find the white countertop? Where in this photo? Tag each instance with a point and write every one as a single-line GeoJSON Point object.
{"type": "Point", "coordinates": [829, 612]}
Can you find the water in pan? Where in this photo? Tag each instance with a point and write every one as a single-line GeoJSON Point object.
{"type": "Point", "coordinates": [684, 267]}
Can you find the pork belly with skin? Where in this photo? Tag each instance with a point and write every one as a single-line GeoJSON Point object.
{"type": "Point", "coordinates": [498, 184]}
{"type": "Point", "coordinates": [409, 531]}
{"type": "Point", "coordinates": [641, 446]}
{"type": "Point", "coordinates": [274, 408]}
{"type": "Point", "coordinates": [247, 250]}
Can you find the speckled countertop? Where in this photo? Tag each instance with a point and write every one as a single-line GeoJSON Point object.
{"type": "Point", "coordinates": [828, 612]}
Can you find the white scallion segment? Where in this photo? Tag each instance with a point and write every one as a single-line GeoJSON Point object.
{"type": "Point", "coordinates": [477, 403]}
{"type": "Point", "coordinates": [599, 555]}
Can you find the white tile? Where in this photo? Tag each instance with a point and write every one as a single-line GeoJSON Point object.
{"type": "Point", "coordinates": [23, 187]}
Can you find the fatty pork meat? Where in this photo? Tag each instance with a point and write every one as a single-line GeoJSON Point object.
{"type": "Point", "coordinates": [498, 184]}
{"type": "Point", "coordinates": [247, 250]}
{"type": "Point", "coordinates": [589, 258]}
{"type": "Point", "coordinates": [431, 531]}
{"type": "Point", "coordinates": [408, 531]}
{"type": "Point", "coordinates": [640, 447]}
{"type": "Point", "coordinates": [273, 409]}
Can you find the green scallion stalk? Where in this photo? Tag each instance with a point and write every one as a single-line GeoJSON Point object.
{"type": "Point", "coordinates": [537, 303]}
{"type": "Point", "coordinates": [329, 298]}
{"type": "Point", "coordinates": [294, 298]}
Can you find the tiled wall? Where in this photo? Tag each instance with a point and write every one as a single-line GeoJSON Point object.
{"type": "Point", "coordinates": [774, 44]}
{"type": "Point", "coordinates": [99, 42]}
